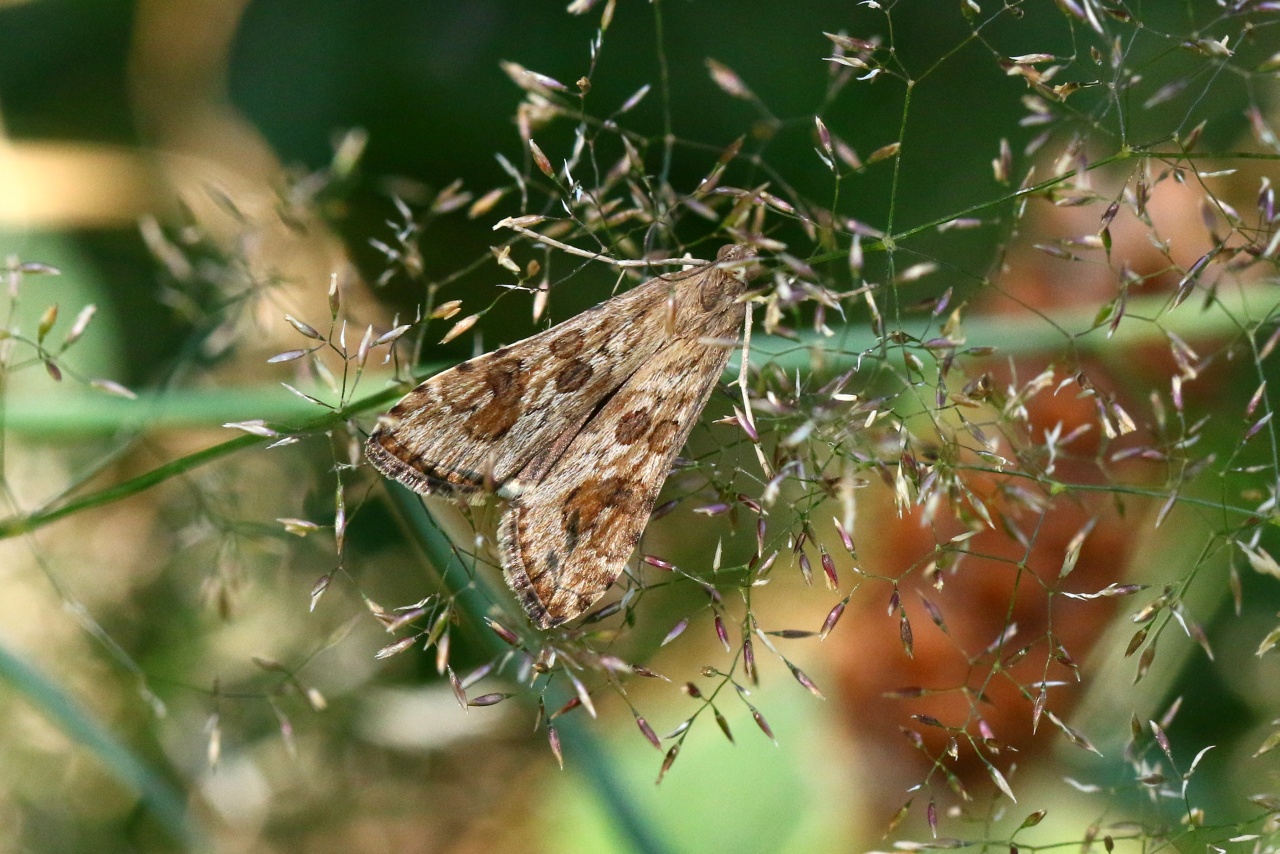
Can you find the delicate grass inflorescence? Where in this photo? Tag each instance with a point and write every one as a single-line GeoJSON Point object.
{"type": "Point", "coordinates": [991, 470]}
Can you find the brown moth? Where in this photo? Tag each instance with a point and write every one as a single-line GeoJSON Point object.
{"type": "Point", "coordinates": [577, 426]}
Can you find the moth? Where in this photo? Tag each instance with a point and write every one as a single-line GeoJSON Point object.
{"type": "Point", "coordinates": [576, 427]}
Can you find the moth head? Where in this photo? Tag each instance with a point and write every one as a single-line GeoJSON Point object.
{"type": "Point", "coordinates": [737, 259]}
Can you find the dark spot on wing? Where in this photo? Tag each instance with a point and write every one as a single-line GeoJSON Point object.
{"type": "Point", "coordinates": [587, 505]}
{"type": "Point", "coordinates": [572, 517]}
{"type": "Point", "coordinates": [663, 435]}
{"type": "Point", "coordinates": [567, 344]}
{"type": "Point", "coordinates": [632, 427]}
{"type": "Point", "coordinates": [573, 376]}
{"type": "Point", "coordinates": [499, 400]}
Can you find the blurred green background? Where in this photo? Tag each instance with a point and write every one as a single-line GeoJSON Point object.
{"type": "Point", "coordinates": [158, 652]}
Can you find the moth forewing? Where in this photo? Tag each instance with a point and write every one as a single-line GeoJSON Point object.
{"type": "Point", "coordinates": [469, 429]}
{"type": "Point", "coordinates": [566, 538]}
{"type": "Point", "coordinates": [577, 426]}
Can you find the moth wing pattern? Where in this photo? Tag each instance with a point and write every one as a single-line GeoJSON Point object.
{"type": "Point", "coordinates": [566, 537]}
{"type": "Point", "coordinates": [578, 425]}
{"type": "Point", "coordinates": [472, 427]}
